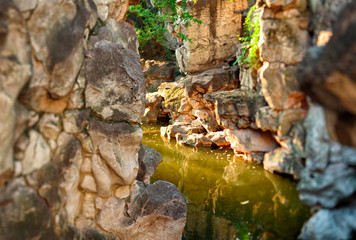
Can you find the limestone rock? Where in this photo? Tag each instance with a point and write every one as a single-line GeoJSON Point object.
{"type": "Point", "coordinates": [115, 9]}
{"type": "Point", "coordinates": [148, 160]}
{"type": "Point", "coordinates": [150, 116]}
{"type": "Point", "coordinates": [280, 86]}
{"type": "Point", "coordinates": [116, 91]}
{"type": "Point", "coordinates": [236, 108]}
{"type": "Point", "coordinates": [36, 154]}
{"type": "Point", "coordinates": [24, 6]}
{"type": "Point", "coordinates": [76, 97]}
{"type": "Point", "coordinates": [218, 138]}
{"type": "Point", "coordinates": [118, 145]}
{"type": "Point", "coordinates": [284, 40]}
{"type": "Point", "coordinates": [331, 84]}
{"type": "Point", "coordinates": [328, 177]}
{"type": "Point", "coordinates": [207, 119]}
{"type": "Point", "coordinates": [154, 100]}
{"type": "Point", "coordinates": [207, 82]}
{"type": "Point", "coordinates": [330, 224]}
{"type": "Point", "coordinates": [75, 121]}
{"type": "Point", "coordinates": [283, 161]}
{"type": "Point", "coordinates": [157, 72]}
{"type": "Point", "coordinates": [173, 94]}
{"type": "Point", "coordinates": [287, 118]}
{"type": "Point", "coordinates": [213, 41]}
{"type": "Point", "coordinates": [193, 140]}
{"type": "Point", "coordinates": [248, 140]}
{"type": "Point", "coordinates": [122, 192]}
{"type": "Point", "coordinates": [29, 214]}
{"type": "Point", "coordinates": [266, 119]}
{"type": "Point", "coordinates": [50, 126]}
{"type": "Point", "coordinates": [88, 207]}
{"type": "Point", "coordinates": [88, 184]}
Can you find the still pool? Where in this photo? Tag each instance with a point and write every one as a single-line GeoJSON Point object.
{"type": "Point", "coordinates": [227, 197]}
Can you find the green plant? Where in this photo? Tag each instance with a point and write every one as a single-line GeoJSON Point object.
{"type": "Point", "coordinates": [152, 20]}
{"type": "Point", "coordinates": [250, 39]}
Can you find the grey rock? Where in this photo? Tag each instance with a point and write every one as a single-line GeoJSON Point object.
{"type": "Point", "coordinates": [330, 224]}
{"type": "Point", "coordinates": [23, 214]}
{"type": "Point", "coordinates": [115, 91]}
{"type": "Point", "coordinates": [148, 159]}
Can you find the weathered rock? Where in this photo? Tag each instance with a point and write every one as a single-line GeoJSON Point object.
{"type": "Point", "coordinates": [207, 82]}
{"type": "Point", "coordinates": [122, 192]}
{"type": "Point", "coordinates": [287, 118]}
{"type": "Point", "coordinates": [88, 207]}
{"type": "Point", "coordinates": [218, 138]}
{"type": "Point", "coordinates": [61, 28]}
{"type": "Point", "coordinates": [76, 97]}
{"type": "Point", "coordinates": [118, 145]}
{"type": "Point", "coordinates": [154, 101]}
{"type": "Point", "coordinates": [330, 224]}
{"type": "Point", "coordinates": [236, 108]}
{"type": "Point", "coordinates": [207, 119]}
{"type": "Point", "coordinates": [36, 154]}
{"type": "Point", "coordinates": [266, 119]}
{"type": "Point", "coordinates": [248, 140]}
{"type": "Point", "coordinates": [332, 84]}
{"type": "Point", "coordinates": [116, 91]}
{"type": "Point", "coordinates": [157, 72]}
{"type": "Point", "coordinates": [193, 140]}
{"type": "Point", "coordinates": [88, 184]}
{"type": "Point", "coordinates": [15, 69]}
{"type": "Point", "coordinates": [150, 116]}
{"type": "Point", "coordinates": [173, 94]}
{"type": "Point", "coordinates": [115, 9]}
{"type": "Point", "coordinates": [172, 130]}
{"type": "Point", "coordinates": [280, 86]}
{"type": "Point", "coordinates": [284, 40]}
{"type": "Point", "coordinates": [50, 126]}
{"type": "Point", "coordinates": [24, 215]}
{"type": "Point", "coordinates": [213, 41]}
{"type": "Point", "coordinates": [75, 121]}
{"type": "Point", "coordinates": [24, 6]}
{"type": "Point", "coordinates": [148, 159]}
{"type": "Point", "coordinates": [328, 177]}
{"type": "Point", "coordinates": [283, 161]}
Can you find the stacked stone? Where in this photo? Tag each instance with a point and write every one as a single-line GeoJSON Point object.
{"type": "Point", "coordinates": [73, 93]}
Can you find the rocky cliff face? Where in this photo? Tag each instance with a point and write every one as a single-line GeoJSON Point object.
{"type": "Point", "coordinates": [73, 93]}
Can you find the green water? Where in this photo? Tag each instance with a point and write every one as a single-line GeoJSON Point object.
{"type": "Point", "coordinates": [227, 197]}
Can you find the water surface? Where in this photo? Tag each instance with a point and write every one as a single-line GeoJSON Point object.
{"type": "Point", "coordinates": [227, 197]}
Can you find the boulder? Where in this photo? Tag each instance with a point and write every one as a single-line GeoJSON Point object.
{"type": "Point", "coordinates": [266, 119]}
{"type": "Point", "coordinates": [207, 119]}
{"type": "Point", "coordinates": [148, 159]}
{"type": "Point", "coordinates": [237, 108]}
{"type": "Point", "coordinates": [218, 138]}
{"type": "Point", "coordinates": [249, 140]}
{"type": "Point", "coordinates": [280, 86]}
{"type": "Point", "coordinates": [330, 224]}
{"type": "Point", "coordinates": [284, 161]}
{"type": "Point", "coordinates": [115, 9]}
{"type": "Point", "coordinates": [287, 118]}
{"type": "Point", "coordinates": [29, 214]}
{"type": "Point", "coordinates": [213, 41]}
{"type": "Point", "coordinates": [157, 72]}
{"type": "Point", "coordinates": [284, 40]}
{"type": "Point", "coordinates": [118, 145]}
{"type": "Point", "coordinates": [116, 91]}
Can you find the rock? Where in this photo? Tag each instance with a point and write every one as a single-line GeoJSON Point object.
{"type": "Point", "coordinates": [36, 154]}
{"type": "Point", "coordinates": [50, 126]}
{"type": "Point", "coordinates": [328, 177]}
{"type": "Point", "coordinates": [88, 207]}
{"type": "Point", "coordinates": [284, 40]}
{"type": "Point", "coordinates": [157, 72]}
{"type": "Point", "coordinates": [172, 130]}
{"type": "Point", "coordinates": [213, 41]}
{"type": "Point", "coordinates": [236, 108]}
{"type": "Point", "coordinates": [207, 119]}
{"type": "Point", "coordinates": [75, 121]}
{"type": "Point", "coordinates": [62, 28]}
{"type": "Point", "coordinates": [15, 69]}
{"type": "Point", "coordinates": [283, 161]}
{"type": "Point", "coordinates": [193, 140]}
{"type": "Point", "coordinates": [333, 85]}
{"type": "Point", "coordinates": [266, 119]}
{"type": "Point", "coordinates": [150, 116]}
{"type": "Point", "coordinates": [68, 159]}
{"type": "Point", "coordinates": [86, 166]}
{"type": "Point", "coordinates": [122, 192]}
{"type": "Point", "coordinates": [207, 82]}
{"type": "Point", "coordinates": [115, 9]}
{"type": "Point", "coordinates": [76, 97]}
{"type": "Point", "coordinates": [24, 6]}
{"type": "Point", "coordinates": [154, 101]}
{"type": "Point", "coordinates": [287, 118]}
{"type": "Point", "coordinates": [173, 94]}
{"type": "Point", "coordinates": [148, 159]}
{"type": "Point", "coordinates": [248, 140]}
{"type": "Point", "coordinates": [330, 224]}
{"type": "Point", "coordinates": [116, 92]}
{"type": "Point", "coordinates": [29, 214]}
{"type": "Point", "coordinates": [280, 86]}
{"type": "Point", "coordinates": [248, 80]}
{"type": "Point", "coordinates": [218, 138]}
{"type": "Point", "coordinates": [118, 145]}
{"type": "Point", "coordinates": [88, 184]}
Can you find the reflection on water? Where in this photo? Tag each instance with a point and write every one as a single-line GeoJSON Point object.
{"type": "Point", "coordinates": [227, 197]}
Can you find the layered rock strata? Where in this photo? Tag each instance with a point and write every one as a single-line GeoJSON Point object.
{"type": "Point", "coordinates": [73, 92]}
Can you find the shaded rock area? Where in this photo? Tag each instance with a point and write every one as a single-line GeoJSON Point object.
{"type": "Point", "coordinates": [73, 92]}
{"type": "Point", "coordinates": [329, 178]}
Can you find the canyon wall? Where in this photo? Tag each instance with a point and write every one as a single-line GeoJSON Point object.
{"type": "Point", "coordinates": [72, 165]}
